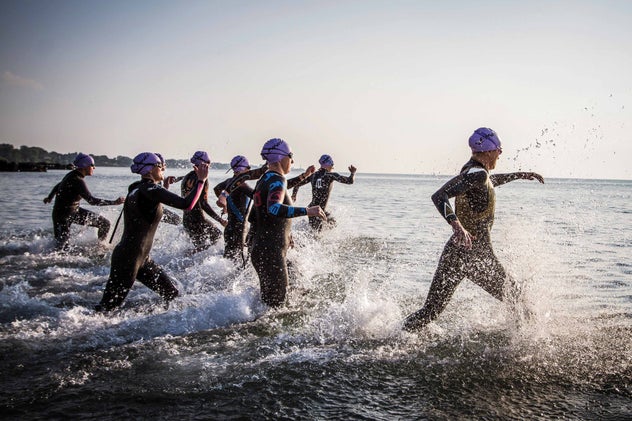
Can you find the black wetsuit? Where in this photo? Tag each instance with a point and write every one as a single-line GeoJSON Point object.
{"type": "Point", "coordinates": [66, 211]}
{"type": "Point", "coordinates": [475, 205]}
{"type": "Point", "coordinates": [237, 204]}
{"type": "Point", "coordinates": [202, 232]}
{"type": "Point", "coordinates": [322, 183]}
{"type": "Point", "coordinates": [271, 213]}
{"type": "Point", "coordinates": [130, 258]}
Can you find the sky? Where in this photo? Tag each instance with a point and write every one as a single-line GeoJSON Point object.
{"type": "Point", "coordinates": [388, 86]}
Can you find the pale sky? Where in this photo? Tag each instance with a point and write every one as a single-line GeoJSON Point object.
{"type": "Point", "coordinates": [389, 86]}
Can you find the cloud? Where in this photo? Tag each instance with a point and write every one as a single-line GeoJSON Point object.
{"type": "Point", "coordinates": [15, 80]}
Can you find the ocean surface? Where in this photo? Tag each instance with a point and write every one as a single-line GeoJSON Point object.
{"type": "Point", "coordinates": [336, 350]}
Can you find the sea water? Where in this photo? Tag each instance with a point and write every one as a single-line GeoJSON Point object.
{"type": "Point", "coordinates": [336, 350]}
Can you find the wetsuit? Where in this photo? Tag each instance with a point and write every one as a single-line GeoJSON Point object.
{"type": "Point", "coordinates": [66, 211]}
{"type": "Point", "coordinates": [475, 205]}
{"type": "Point", "coordinates": [238, 203]}
{"type": "Point", "coordinates": [322, 183]}
{"type": "Point", "coordinates": [130, 258]}
{"type": "Point", "coordinates": [234, 235]}
{"type": "Point", "coordinates": [272, 211]}
{"type": "Point", "coordinates": [202, 232]}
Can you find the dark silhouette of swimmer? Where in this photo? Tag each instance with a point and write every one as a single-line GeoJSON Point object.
{"type": "Point", "coordinates": [143, 212]}
{"type": "Point", "coordinates": [68, 193]}
{"type": "Point", "coordinates": [469, 253]}
{"type": "Point", "coordinates": [202, 232]}
{"type": "Point", "coordinates": [322, 183]}
{"type": "Point", "coordinates": [272, 213]}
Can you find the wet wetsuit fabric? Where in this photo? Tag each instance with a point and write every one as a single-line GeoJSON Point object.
{"type": "Point", "coordinates": [322, 183]}
{"type": "Point", "coordinates": [272, 212]}
{"type": "Point", "coordinates": [130, 258]}
{"type": "Point", "coordinates": [202, 232]}
{"type": "Point", "coordinates": [66, 211]}
{"type": "Point", "coordinates": [238, 203]}
{"type": "Point", "coordinates": [475, 205]}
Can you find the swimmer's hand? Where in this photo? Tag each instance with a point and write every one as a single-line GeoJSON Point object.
{"type": "Point", "coordinates": [533, 176]}
{"type": "Point", "coordinates": [316, 211]}
{"type": "Point", "coordinates": [461, 237]}
{"type": "Point", "coordinates": [168, 181]}
{"type": "Point", "coordinates": [352, 169]}
{"type": "Point", "coordinates": [47, 200]}
{"type": "Point", "coordinates": [201, 171]}
{"type": "Point", "coordinates": [120, 200]}
{"type": "Point", "coordinates": [309, 171]}
{"type": "Point", "coordinates": [221, 201]}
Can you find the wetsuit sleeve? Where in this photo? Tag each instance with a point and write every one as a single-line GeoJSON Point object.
{"type": "Point", "coordinates": [53, 192]}
{"type": "Point", "coordinates": [275, 205]}
{"type": "Point", "coordinates": [456, 186]}
{"type": "Point", "coordinates": [206, 207]}
{"type": "Point", "coordinates": [341, 178]}
{"type": "Point", "coordinates": [162, 195]}
{"type": "Point", "coordinates": [500, 179]}
{"type": "Point", "coordinates": [242, 178]}
{"type": "Point", "coordinates": [221, 186]}
{"type": "Point", "coordinates": [298, 181]}
{"type": "Point", "coordinates": [85, 194]}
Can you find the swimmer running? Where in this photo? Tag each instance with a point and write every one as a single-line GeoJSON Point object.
{"type": "Point", "coordinates": [469, 253]}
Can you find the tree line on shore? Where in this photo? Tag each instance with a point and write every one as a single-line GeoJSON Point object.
{"type": "Point", "coordinates": [34, 158]}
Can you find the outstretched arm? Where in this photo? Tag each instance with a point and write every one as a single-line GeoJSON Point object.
{"type": "Point", "coordinates": [500, 179]}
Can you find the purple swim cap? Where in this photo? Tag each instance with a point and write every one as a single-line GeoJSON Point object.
{"type": "Point", "coordinates": [239, 163]}
{"type": "Point", "coordinates": [162, 160]}
{"type": "Point", "coordinates": [145, 162]}
{"type": "Point", "coordinates": [83, 161]}
{"type": "Point", "coordinates": [200, 157]}
{"type": "Point", "coordinates": [483, 140]}
{"type": "Point", "coordinates": [326, 160]}
{"type": "Point", "coordinates": [275, 150]}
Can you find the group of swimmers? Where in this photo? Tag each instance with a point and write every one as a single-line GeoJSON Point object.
{"type": "Point", "coordinates": [269, 219]}
{"type": "Point", "coordinates": [268, 210]}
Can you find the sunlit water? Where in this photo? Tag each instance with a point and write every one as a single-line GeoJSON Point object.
{"type": "Point", "coordinates": [336, 351]}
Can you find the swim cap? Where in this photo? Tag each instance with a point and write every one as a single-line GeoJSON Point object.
{"type": "Point", "coordinates": [83, 161]}
{"type": "Point", "coordinates": [275, 150]}
{"type": "Point", "coordinates": [326, 160]}
{"type": "Point", "coordinates": [239, 163]}
{"type": "Point", "coordinates": [483, 140]}
{"type": "Point", "coordinates": [200, 157]}
{"type": "Point", "coordinates": [162, 160]}
{"type": "Point", "coordinates": [144, 162]}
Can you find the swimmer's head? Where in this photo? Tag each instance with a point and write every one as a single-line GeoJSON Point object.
{"type": "Point", "coordinates": [275, 150]}
{"type": "Point", "coordinates": [239, 163]}
{"type": "Point", "coordinates": [162, 160]}
{"type": "Point", "coordinates": [484, 140]}
{"type": "Point", "coordinates": [199, 158]}
{"type": "Point", "coordinates": [326, 161]}
{"type": "Point", "coordinates": [145, 162]}
{"type": "Point", "coordinates": [83, 161]}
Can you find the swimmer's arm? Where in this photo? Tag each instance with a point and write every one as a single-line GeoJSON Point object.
{"type": "Point", "coordinates": [160, 194]}
{"type": "Point", "coordinates": [456, 186]}
{"type": "Point", "coordinates": [500, 179]}
{"type": "Point", "coordinates": [52, 193]}
{"type": "Point", "coordinates": [95, 201]}
{"type": "Point", "coordinates": [276, 206]}
{"type": "Point", "coordinates": [341, 178]}
{"type": "Point", "coordinates": [210, 212]}
{"type": "Point", "coordinates": [301, 179]}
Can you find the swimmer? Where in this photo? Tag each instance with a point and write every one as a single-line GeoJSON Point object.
{"type": "Point", "coordinates": [202, 232]}
{"type": "Point", "coordinates": [238, 206]}
{"type": "Point", "coordinates": [322, 183]}
{"type": "Point", "coordinates": [469, 253]}
{"type": "Point", "coordinates": [143, 212]}
{"type": "Point", "coordinates": [272, 213]}
{"type": "Point", "coordinates": [68, 193]}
